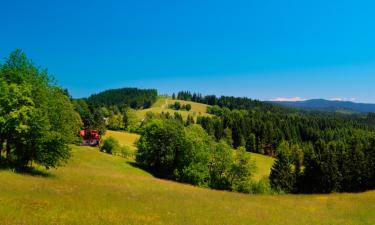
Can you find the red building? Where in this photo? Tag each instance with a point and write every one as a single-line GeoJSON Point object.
{"type": "Point", "coordinates": [90, 137]}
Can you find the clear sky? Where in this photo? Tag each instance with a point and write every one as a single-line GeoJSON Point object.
{"type": "Point", "coordinates": [264, 49]}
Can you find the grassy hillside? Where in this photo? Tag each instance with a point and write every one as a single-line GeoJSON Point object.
{"type": "Point", "coordinates": [124, 138]}
{"type": "Point", "coordinates": [161, 105]}
{"type": "Point", "coordinates": [96, 188]}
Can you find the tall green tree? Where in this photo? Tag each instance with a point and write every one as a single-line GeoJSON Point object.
{"type": "Point", "coordinates": [282, 177]}
{"type": "Point", "coordinates": [37, 118]}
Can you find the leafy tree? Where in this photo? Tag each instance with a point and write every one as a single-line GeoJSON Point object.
{"type": "Point", "coordinates": [110, 145]}
{"type": "Point", "coordinates": [197, 156]}
{"type": "Point", "coordinates": [37, 118]}
{"type": "Point", "coordinates": [130, 119]}
{"type": "Point", "coordinates": [160, 147]}
{"type": "Point", "coordinates": [188, 107]}
{"type": "Point", "coordinates": [241, 171]}
{"type": "Point", "coordinates": [251, 143]}
{"type": "Point", "coordinates": [220, 166]}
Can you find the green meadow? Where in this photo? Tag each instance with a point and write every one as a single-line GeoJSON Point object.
{"type": "Point", "coordinates": [97, 188]}
{"type": "Point", "coordinates": [162, 103]}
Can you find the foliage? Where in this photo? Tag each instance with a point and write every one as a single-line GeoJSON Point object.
{"type": "Point", "coordinates": [110, 145]}
{"type": "Point", "coordinates": [189, 154]}
{"type": "Point", "coordinates": [161, 146]}
{"type": "Point", "coordinates": [132, 97]}
{"type": "Point", "coordinates": [282, 177]}
{"type": "Point", "coordinates": [37, 119]}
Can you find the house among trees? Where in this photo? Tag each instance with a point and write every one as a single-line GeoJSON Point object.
{"type": "Point", "coordinates": [90, 137]}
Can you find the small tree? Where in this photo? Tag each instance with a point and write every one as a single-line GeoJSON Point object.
{"type": "Point", "coordinates": [177, 105]}
{"type": "Point", "coordinates": [282, 177]}
{"type": "Point", "coordinates": [241, 171]}
{"type": "Point", "coordinates": [110, 145]}
{"type": "Point", "coordinates": [160, 147]}
{"type": "Point", "coordinates": [251, 143]}
{"type": "Point", "coordinates": [220, 165]}
{"type": "Point", "coordinates": [188, 107]}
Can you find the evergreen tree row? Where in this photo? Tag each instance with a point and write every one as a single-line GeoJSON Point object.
{"type": "Point", "coordinates": [132, 97]}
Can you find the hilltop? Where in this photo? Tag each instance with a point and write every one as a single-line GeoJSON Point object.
{"type": "Point", "coordinates": [162, 105]}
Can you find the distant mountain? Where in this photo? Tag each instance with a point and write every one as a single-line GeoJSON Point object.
{"type": "Point", "coordinates": [333, 106]}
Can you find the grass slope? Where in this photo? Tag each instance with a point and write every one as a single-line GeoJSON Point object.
{"type": "Point", "coordinates": [161, 105]}
{"type": "Point", "coordinates": [96, 188]}
{"type": "Point", "coordinates": [124, 138]}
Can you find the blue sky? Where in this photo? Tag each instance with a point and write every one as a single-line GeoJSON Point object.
{"type": "Point", "coordinates": [261, 49]}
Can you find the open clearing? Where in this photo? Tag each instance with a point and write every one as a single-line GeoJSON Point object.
{"type": "Point", "coordinates": [161, 105]}
{"type": "Point", "coordinates": [96, 188]}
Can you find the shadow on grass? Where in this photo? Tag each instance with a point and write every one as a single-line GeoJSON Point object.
{"type": "Point", "coordinates": [136, 165]}
{"type": "Point", "coordinates": [30, 171]}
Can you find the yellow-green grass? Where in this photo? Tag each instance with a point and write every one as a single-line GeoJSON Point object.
{"type": "Point", "coordinates": [97, 188]}
{"type": "Point", "coordinates": [125, 138]}
{"type": "Point", "coordinates": [161, 105]}
{"type": "Point", "coordinates": [263, 165]}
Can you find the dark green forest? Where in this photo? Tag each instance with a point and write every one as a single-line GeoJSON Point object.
{"type": "Point", "coordinates": [316, 152]}
{"type": "Point", "coordinates": [132, 97]}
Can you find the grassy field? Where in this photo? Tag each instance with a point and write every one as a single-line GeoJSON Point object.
{"type": "Point", "coordinates": [96, 188]}
{"type": "Point", "coordinates": [124, 138]}
{"type": "Point", "coordinates": [161, 105]}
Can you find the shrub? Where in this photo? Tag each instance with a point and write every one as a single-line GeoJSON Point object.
{"type": "Point", "coordinates": [110, 145]}
{"type": "Point", "coordinates": [161, 147]}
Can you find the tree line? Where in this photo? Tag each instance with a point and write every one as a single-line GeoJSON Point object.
{"type": "Point", "coordinates": [316, 152]}
{"type": "Point", "coordinates": [132, 97]}
{"type": "Point", "coordinates": [168, 149]}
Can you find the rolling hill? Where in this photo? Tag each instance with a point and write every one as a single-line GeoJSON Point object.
{"type": "Point", "coordinates": [162, 103]}
{"type": "Point", "coordinates": [96, 188]}
{"type": "Point", "coordinates": [333, 106]}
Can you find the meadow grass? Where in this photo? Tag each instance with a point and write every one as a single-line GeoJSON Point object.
{"type": "Point", "coordinates": [97, 188]}
{"type": "Point", "coordinates": [125, 138]}
{"type": "Point", "coordinates": [263, 165]}
{"type": "Point", "coordinates": [162, 103]}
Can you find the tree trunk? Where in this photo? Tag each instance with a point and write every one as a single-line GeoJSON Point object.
{"type": "Point", "coordinates": [7, 150]}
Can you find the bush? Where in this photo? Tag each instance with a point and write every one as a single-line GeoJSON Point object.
{"type": "Point", "coordinates": [110, 145]}
{"type": "Point", "coordinates": [262, 186]}
{"type": "Point", "coordinates": [188, 107]}
{"type": "Point", "coordinates": [161, 147]}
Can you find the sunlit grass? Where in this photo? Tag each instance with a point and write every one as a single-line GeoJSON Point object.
{"type": "Point", "coordinates": [97, 188]}
{"type": "Point", "coordinates": [124, 138]}
{"type": "Point", "coordinates": [161, 105]}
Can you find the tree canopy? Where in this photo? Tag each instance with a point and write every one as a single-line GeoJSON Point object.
{"type": "Point", "coordinates": [37, 119]}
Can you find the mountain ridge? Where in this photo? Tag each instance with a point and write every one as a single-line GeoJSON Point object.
{"type": "Point", "coordinates": [329, 105]}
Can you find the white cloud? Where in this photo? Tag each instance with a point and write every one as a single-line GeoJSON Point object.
{"type": "Point", "coordinates": [342, 99]}
{"type": "Point", "coordinates": [292, 99]}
